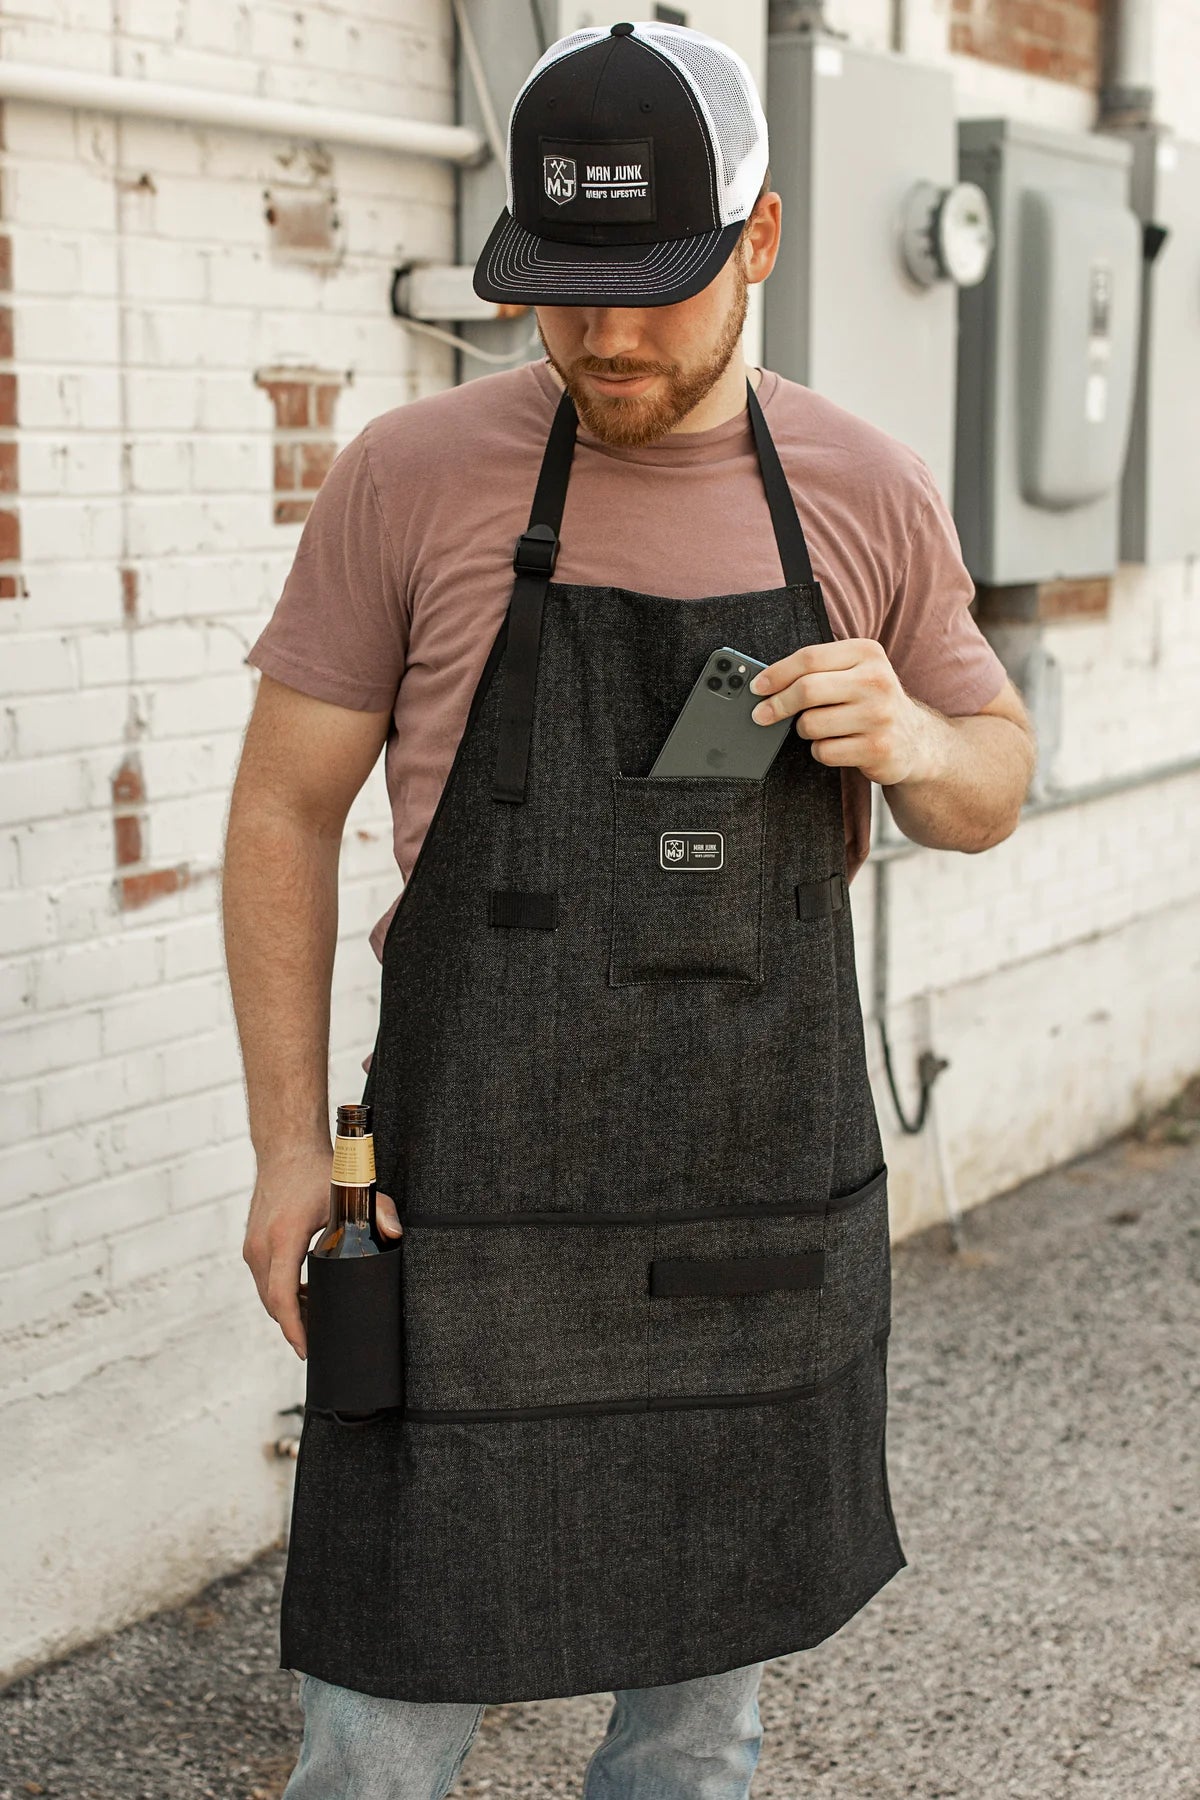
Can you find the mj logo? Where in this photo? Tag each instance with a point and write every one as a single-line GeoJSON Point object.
{"type": "Point", "coordinates": [558, 176]}
{"type": "Point", "coordinates": [691, 850]}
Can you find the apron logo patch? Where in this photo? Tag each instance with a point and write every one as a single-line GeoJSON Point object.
{"type": "Point", "coordinates": [558, 176]}
{"type": "Point", "coordinates": [691, 850]}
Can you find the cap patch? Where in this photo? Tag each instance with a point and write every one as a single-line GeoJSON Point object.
{"type": "Point", "coordinates": [598, 184]}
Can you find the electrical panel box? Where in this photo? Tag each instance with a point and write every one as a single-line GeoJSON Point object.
{"type": "Point", "coordinates": [1160, 493]}
{"type": "Point", "coordinates": [1047, 354]}
{"type": "Point", "coordinates": [854, 133]}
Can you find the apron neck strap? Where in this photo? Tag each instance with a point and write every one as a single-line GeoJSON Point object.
{"type": "Point", "coordinates": [521, 632]}
{"type": "Point", "coordinates": [789, 533]}
{"type": "Point", "coordinates": [550, 496]}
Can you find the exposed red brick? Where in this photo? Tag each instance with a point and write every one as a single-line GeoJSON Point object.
{"type": "Point", "coordinates": [316, 458]}
{"type": "Point", "coordinates": [128, 793]}
{"type": "Point", "coordinates": [1044, 601]}
{"type": "Point", "coordinates": [10, 537]}
{"type": "Point", "coordinates": [128, 788]}
{"type": "Point", "coordinates": [8, 399]}
{"type": "Point", "coordinates": [151, 884]}
{"type": "Point", "coordinates": [1083, 36]}
{"type": "Point", "coordinates": [1075, 599]}
{"type": "Point", "coordinates": [5, 263]}
{"type": "Point", "coordinates": [285, 466]}
{"type": "Point", "coordinates": [303, 224]}
{"type": "Point", "coordinates": [304, 448]}
{"type": "Point", "coordinates": [129, 593]}
{"type": "Point", "coordinates": [127, 832]}
{"type": "Point", "coordinates": [135, 887]}
{"type": "Point", "coordinates": [325, 394]}
{"type": "Point", "coordinates": [1057, 39]}
{"type": "Point", "coordinates": [6, 333]}
{"type": "Point", "coordinates": [1050, 22]}
{"type": "Point", "coordinates": [1034, 58]}
{"type": "Point", "coordinates": [8, 468]}
{"type": "Point", "coordinates": [8, 588]}
{"type": "Point", "coordinates": [290, 400]}
{"type": "Point", "coordinates": [292, 512]}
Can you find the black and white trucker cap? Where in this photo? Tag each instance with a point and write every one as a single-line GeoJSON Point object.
{"type": "Point", "coordinates": [635, 156]}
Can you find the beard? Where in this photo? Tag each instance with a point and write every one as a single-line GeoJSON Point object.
{"type": "Point", "coordinates": [643, 418]}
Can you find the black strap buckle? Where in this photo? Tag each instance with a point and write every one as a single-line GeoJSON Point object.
{"type": "Point", "coordinates": [537, 551]}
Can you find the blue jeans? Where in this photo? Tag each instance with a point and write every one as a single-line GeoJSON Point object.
{"type": "Point", "coordinates": [691, 1740]}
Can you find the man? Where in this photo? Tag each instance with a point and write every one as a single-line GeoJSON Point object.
{"type": "Point", "coordinates": [624, 1106]}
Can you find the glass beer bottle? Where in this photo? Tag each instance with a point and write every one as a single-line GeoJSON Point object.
{"type": "Point", "coordinates": [352, 1229]}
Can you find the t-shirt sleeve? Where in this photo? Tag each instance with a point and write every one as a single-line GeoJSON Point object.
{"type": "Point", "coordinates": [931, 638]}
{"type": "Point", "coordinates": [339, 630]}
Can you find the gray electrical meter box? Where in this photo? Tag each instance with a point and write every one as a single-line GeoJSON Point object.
{"type": "Point", "coordinates": [1160, 494]}
{"type": "Point", "coordinates": [863, 150]}
{"type": "Point", "coordinates": [1047, 354]}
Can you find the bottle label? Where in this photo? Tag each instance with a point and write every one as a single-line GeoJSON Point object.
{"type": "Point", "coordinates": [354, 1161]}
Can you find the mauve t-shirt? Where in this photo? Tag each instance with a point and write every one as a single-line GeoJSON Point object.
{"type": "Point", "coordinates": [404, 567]}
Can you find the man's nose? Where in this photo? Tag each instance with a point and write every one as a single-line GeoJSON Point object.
{"type": "Point", "coordinates": [611, 331]}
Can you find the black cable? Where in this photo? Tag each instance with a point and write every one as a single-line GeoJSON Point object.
{"type": "Point", "coordinates": [929, 1067]}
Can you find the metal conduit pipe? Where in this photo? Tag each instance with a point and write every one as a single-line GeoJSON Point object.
{"type": "Point", "coordinates": [1127, 91]}
{"type": "Point", "coordinates": [119, 95]}
{"type": "Point", "coordinates": [1077, 796]}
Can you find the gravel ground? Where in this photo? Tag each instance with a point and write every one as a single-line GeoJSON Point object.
{"type": "Point", "coordinates": [1044, 1640]}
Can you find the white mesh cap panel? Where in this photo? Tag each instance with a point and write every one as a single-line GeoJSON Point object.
{"type": "Point", "coordinates": [724, 88]}
{"type": "Point", "coordinates": [721, 85]}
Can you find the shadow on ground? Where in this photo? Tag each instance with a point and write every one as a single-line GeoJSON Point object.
{"type": "Point", "coordinates": [1044, 1641]}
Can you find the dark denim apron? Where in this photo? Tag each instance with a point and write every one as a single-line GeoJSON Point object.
{"type": "Point", "coordinates": [624, 1111]}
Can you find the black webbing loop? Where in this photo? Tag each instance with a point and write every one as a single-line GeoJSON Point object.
{"type": "Point", "coordinates": [673, 1276]}
{"type": "Point", "coordinates": [816, 899]}
{"type": "Point", "coordinates": [534, 558]}
{"type": "Point", "coordinates": [523, 910]}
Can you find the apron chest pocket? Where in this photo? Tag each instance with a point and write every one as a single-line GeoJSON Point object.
{"type": "Point", "coordinates": [687, 879]}
{"type": "Point", "coordinates": [355, 1361]}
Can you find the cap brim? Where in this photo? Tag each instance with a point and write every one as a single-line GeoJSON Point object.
{"type": "Point", "coordinates": [516, 267]}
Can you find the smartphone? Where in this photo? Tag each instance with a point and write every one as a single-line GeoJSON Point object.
{"type": "Point", "coordinates": [714, 733]}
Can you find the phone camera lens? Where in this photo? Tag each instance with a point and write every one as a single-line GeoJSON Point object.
{"type": "Point", "coordinates": [723, 663]}
{"type": "Point", "coordinates": [735, 681]}
{"type": "Point", "coordinates": [714, 681]}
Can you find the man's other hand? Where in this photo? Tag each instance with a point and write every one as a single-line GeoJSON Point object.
{"type": "Point", "coordinates": [290, 1205]}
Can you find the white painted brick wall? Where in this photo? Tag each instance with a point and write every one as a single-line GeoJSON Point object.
{"type": "Point", "coordinates": [1059, 972]}
{"type": "Point", "coordinates": [145, 296]}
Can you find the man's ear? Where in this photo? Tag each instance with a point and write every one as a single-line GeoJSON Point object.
{"type": "Point", "coordinates": [761, 237]}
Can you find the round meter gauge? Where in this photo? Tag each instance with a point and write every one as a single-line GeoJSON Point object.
{"type": "Point", "coordinates": [947, 233]}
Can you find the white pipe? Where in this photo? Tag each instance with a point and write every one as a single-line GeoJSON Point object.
{"type": "Point", "coordinates": [479, 82]}
{"type": "Point", "coordinates": [1132, 28]}
{"type": "Point", "coordinates": [239, 112]}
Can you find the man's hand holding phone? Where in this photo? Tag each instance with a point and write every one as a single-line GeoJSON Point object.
{"type": "Point", "coordinates": [848, 701]}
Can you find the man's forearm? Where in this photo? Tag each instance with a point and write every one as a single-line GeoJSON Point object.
{"type": "Point", "coordinates": [279, 906]}
{"type": "Point", "coordinates": [971, 777]}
